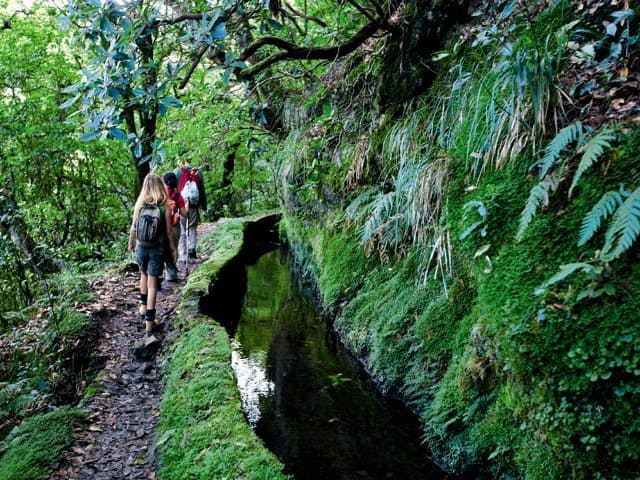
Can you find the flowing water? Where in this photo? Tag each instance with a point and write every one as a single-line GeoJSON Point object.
{"type": "Point", "coordinates": [302, 393]}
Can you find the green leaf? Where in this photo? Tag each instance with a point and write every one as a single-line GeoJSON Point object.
{"type": "Point", "coordinates": [592, 152]}
{"type": "Point", "coordinates": [600, 211]}
{"type": "Point", "coordinates": [439, 56]}
{"type": "Point", "coordinates": [89, 136]}
{"type": "Point", "coordinates": [469, 230]}
{"type": "Point", "coordinates": [69, 102]}
{"type": "Point", "coordinates": [118, 134]}
{"type": "Point", "coordinates": [171, 102]}
{"type": "Point", "coordinates": [565, 271]}
{"type": "Point", "coordinates": [219, 32]}
{"type": "Point", "coordinates": [624, 228]}
{"type": "Point", "coordinates": [538, 196]}
{"type": "Point", "coordinates": [559, 143]}
{"type": "Point", "coordinates": [274, 25]}
{"type": "Point", "coordinates": [482, 250]}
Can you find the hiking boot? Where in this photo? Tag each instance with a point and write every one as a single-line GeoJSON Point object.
{"type": "Point", "coordinates": [157, 327]}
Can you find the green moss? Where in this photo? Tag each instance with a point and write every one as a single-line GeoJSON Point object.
{"type": "Point", "coordinates": [72, 323]}
{"type": "Point", "coordinates": [203, 432]}
{"type": "Point", "coordinates": [500, 375]}
{"type": "Point", "coordinates": [39, 441]}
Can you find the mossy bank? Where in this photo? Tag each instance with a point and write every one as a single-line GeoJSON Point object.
{"type": "Point", "coordinates": [203, 432]}
{"type": "Point", "coordinates": [459, 241]}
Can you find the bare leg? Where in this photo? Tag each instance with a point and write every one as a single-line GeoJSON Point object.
{"type": "Point", "coordinates": [143, 283]}
{"type": "Point", "coordinates": [143, 293]}
{"type": "Point", "coordinates": [152, 291]}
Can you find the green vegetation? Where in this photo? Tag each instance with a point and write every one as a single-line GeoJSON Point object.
{"type": "Point", "coordinates": [451, 298]}
{"type": "Point", "coordinates": [460, 180]}
{"type": "Point", "coordinates": [38, 442]}
{"type": "Point", "coordinates": [203, 432]}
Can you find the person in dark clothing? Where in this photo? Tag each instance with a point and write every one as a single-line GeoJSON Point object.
{"type": "Point", "coordinates": [178, 208]}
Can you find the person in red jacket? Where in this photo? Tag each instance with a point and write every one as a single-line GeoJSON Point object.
{"type": "Point", "coordinates": [189, 224]}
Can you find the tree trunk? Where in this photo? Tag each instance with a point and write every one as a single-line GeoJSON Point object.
{"type": "Point", "coordinates": [11, 222]}
{"type": "Point", "coordinates": [228, 166]}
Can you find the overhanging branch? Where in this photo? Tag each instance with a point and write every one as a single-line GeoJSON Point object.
{"type": "Point", "coordinates": [179, 19]}
{"type": "Point", "coordinates": [291, 51]}
{"type": "Point", "coordinates": [311, 18]}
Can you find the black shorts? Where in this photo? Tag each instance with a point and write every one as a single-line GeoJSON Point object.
{"type": "Point", "coordinates": [150, 260]}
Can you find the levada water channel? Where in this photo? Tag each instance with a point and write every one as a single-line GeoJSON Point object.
{"type": "Point", "coordinates": [303, 394]}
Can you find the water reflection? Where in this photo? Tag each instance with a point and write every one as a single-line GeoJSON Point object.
{"type": "Point", "coordinates": [306, 398]}
{"type": "Point", "coordinates": [252, 380]}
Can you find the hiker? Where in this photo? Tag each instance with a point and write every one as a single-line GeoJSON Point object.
{"type": "Point", "coordinates": [178, 208]}
{"type": "Point", "coordinates": [150, 235]}
{"type": "Point", "coordinates": [191, 187]}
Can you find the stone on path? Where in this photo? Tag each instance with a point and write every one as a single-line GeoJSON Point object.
{"type": "Point", "coordinates": [145, 348]}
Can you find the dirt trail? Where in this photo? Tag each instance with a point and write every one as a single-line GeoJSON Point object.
{"type": "Point", "coordinates": [118, 440]}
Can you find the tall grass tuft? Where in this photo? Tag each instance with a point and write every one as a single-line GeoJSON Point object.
{"type": "Point", "coordinates": [492, 104]}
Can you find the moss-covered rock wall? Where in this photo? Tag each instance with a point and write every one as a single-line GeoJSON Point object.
{"type": "Point", "coordinates": [435, 236]}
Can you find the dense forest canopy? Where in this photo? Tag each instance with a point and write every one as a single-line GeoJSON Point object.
{"type": "Point", "coordinates": [469, 169]}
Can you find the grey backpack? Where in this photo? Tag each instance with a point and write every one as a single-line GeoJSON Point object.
{"type": "Point", "coordinates": [149, 225]}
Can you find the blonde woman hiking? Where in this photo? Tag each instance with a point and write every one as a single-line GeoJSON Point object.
{"type": "Point", "coordinates": [150, 236]}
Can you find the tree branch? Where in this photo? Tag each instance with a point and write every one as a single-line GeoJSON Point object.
{"type": "Point", "coordinates": [297, 13]}
{"type": "Point", "coordinates": [193, 67]}
{"type": "Point", "coordinates": [6, 23]}
{"type": "Point", "coordinates": [290, 51]}
{"type": "Point", "coordinates": [179, 19]}
{"type": "Point", "coordinates": [363, 11]}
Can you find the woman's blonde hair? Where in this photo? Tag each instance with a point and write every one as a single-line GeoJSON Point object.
{"type": "Point", "coordinates": [153, 192]}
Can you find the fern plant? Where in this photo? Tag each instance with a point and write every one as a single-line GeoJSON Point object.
{"type": "Point", "coordinates": [481, 210]}
{"type": "Point", "coordinates": [539, 196]}
{"type": "Point", "coordinates": [557, 146]}
{"type": "Point", "coordinates": [604, 208]}
{"type": "Point", "coordinates": [624, 228]}
{"type": "Point", "coordinates": [623, 231]}
{"type": "Point", "coordinates": [553, 168]}
{"type": "Point", "coordinates": [593, 150]}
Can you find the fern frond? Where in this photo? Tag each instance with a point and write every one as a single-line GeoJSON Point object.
{"type": "Point", "coordinates": [360, 208]}
{"type": "Point", "coordinates": [560, 142]}
{"type": "Point", "coordinates": [565, 271]}
{"type": "Point", "coordinates": [591, 222]}
{"type": "Point", "coordinates": [624, 228]}
{"type": "Point", "coordinates": [539, 196]}
{"type": "Point", "coordinates": [592, 152]}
